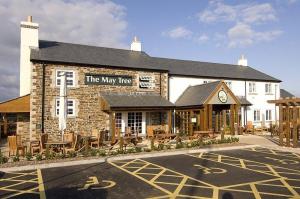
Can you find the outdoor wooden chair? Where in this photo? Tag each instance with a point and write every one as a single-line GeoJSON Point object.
{"type": "Point", "coordinates": [95, 138]}
{"type": "Point", "coordinates": [43, 140]}
{"type": "Point", "coordinates": [15, 145]}
{"type": "Point", "coordinates": [69, 137]}
{"type": "Point", "coordinates": [75, 144]}
{"type": "Point", "coordinates": [12, 145]}
{"type": "Point", "coordinates": [149, 131]}
{"type": "Point", "coordinates": [250, 127]}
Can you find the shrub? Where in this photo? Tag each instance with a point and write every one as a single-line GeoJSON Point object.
{"type": "Point", "coordinates": [102, 153]}
{"type": "Point", "coordinates": [16, 158]}
{"type": "Point", "coordinates": [3, 158]}
{"type": "Point", "coordinates": [152, 144]}
{"type": "Point", "coordinates": [131, 150]}
{"type": "Point", "coordinates": [138, 149]}
{"type": "Point", "coordinates": [160, 147]}
{"type": "Point", "coordinates": [38, 157]}
{"type": "Point", "coordinates": [179, 145]}
{"type": "Point", "coordinates": [194, 144]}
{"type": "Point", "coordinates": [147, 150]}
{"type": "Point", "coordinates": [72, 154]}
{"type": "Point", "coordinates": [28, 156]}
{"type": "Point", "coordinates": [168, 146]}
{"type": "Point", "coordinates": [94, 152]}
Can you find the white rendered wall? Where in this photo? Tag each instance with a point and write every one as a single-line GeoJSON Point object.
{"type": "Point", "coordinates": [259, 100]}
{"type": "Point", "coordinates": [29, 39]}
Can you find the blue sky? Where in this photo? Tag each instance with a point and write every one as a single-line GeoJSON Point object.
{"type": "Point", "coordinates": [267, 32]}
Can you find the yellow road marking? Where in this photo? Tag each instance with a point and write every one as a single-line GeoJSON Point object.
{"type": "Point", "coordinates": [180, 186]}
{"type": "Point", "coordinates": [289, 187]}
{"type": "Point", "coordinates": [41, 184]}
{"type": "Point", "coordinates": [219, 158]}
{"type": "Point", "coordinates": [158, 175]}
{"type": "Point", "coordinates": [255, 192]}
{"type": "Point", "coordinates": [242, 163]}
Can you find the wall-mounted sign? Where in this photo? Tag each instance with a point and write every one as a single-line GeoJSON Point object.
{"type": "Point", "coordinates": [146, 81]}
{"type": "Point", "coordinates": [222, 96]}
{"type": "Point", "coordinates": [114, 80]}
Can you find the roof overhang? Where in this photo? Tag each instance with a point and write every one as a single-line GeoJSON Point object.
{"type": "Point", "coordinates": [16, 105]}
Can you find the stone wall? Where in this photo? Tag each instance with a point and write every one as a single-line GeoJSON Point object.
{"type": "Point", "coordinates": [23, 123]}
{"type": "Point", "coordinates": [87, 100]}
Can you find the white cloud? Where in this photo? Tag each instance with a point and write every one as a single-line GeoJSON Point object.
{"type": "Point", "coordinates": [202, 38]}
{"type": "Point", "coordinates": [242, 35]}
{"type": "Point", "coordinates": [178, 32]}
{"type": "Point", "coordinates": [217, 11]}
{"type": "Point", "coordinates": [95, 22]}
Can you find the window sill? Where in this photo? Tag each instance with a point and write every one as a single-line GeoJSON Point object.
{"type": "Point", "coordinates": [269, 94]}
{"type": "Point", "coordinates": [252, 93]}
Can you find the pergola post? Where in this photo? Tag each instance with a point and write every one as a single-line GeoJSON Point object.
{"type": "Point", "coordinates": [288, 127]}
{"type": "Point", "coordinates": [217, 121]}
{"type": "Point", "coordinates": [210, 114]}
{"type": "Point", "coordinates": [281, 110]}
{"type": "Point", "coordinates": [5, 124]}
{"type": "Point", "coordinates": [170, 120]}
{"type": "Point", "coordinates": [237, 118]}
{"type": "Point", "coordinates": [190, 123]}
{"type": "Point", "coordinates": [205, 117]}
{"type": "Point", "coordinates": [112, 126]}
{"type": "Point", "coordinates": [232, 119]}
{"type": "Point", "coordinates": [295, 127]}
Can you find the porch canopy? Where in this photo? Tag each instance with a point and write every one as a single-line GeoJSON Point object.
{"type": "Point", "coordinates": [16, 105]}
{"type": "Point", "coordinates": [203, 107]}
{"type": "Point", "coordinates": [125, 102]}
{"type": "Point", "coordinates": [113, 103]}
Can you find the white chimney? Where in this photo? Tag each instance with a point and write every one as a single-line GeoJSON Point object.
{"type": "Point", "coordinates": [136, 45]}
{"type": "Point", "coordinates": [243, 61]}
{"type": "Point", "coordinates": [29, 39]}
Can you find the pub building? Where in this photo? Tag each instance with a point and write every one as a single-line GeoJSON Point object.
{"type": "Point", "coordinates": [117, 89]}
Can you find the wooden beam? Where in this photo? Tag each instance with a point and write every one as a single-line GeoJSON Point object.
{"type": "Point", "coordinates": [281, 110]}
{"type": "Point", "coordinates": [217, 121]}
{"type": "Point", "coordinates": [190, 123]}
{"type": "Point", "coordinates": [232, 119]}
{"type": "Point", "coordinates": [112, 126]}
{"type": "Point", "coordinates": [5, 124]}
{"type": "Point", "coordinates": [295, 127]}
{"type": "Point", "coordinates": [288, 127]}
{"type": "Point", "coordinates": [237, 118]}
{"type": "Point", "coordinates": [210, 116]}
{"type": "Point", "coordinates": [205, 127]}
{"type": "Point", "coordinates": [170, 121]}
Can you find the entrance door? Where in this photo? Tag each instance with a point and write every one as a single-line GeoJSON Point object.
{"type": "Point", "coordinates": [135, 121]}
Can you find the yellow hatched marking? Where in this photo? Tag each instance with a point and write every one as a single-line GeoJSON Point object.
{"type": "Point", "coordinates": [156, 184]}
{"type": "Point", "coordinates": [255, 192]}
{"type": "Point", "coordinates": [295, 193]}
{"type": "Point", "coordinates": [219, 158]}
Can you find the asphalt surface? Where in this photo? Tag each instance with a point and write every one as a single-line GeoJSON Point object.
{"type": "Point", "coordinates": [246, 173]}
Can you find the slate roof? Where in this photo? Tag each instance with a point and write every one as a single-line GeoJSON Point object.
{"type": "Point", "coordinates": [244, 101]}
{"type": "Point", "coordinates": [196, 95]}
{"type": "Point", "coordinates": [52, 51]}
{"type": "Point", "coordinates": [136, 101]}
{"type": "Point", "coordinates": [284, 93]}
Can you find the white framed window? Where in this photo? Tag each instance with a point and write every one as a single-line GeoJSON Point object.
{"type": "Point", "coordinates": [252, 87]}
{"type": "Point", "coordinates": [256, 115]}
{"type": "Point", "coordinates": [70, 77]}
{"type": "Point", "coordinates": [70, 107]}
{"type": "Point", "coordinates": [268, 88]}
{"type": "Point", "coordinates": [118, 120]}
{"type": "Point", "coordinates": [268, 115]}
{"type": "Point", "coordinates": [229, 84]}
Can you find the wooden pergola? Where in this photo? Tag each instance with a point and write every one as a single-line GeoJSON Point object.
{"type": "Point", "coordinates": [289, 121]}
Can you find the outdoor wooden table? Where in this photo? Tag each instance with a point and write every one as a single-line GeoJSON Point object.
{"type": "Point", "coordinates": [130, 139]}
{"type": "Point", "coordinates": [58, 145]}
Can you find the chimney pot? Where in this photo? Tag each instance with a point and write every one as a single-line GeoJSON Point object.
{"type": "Point", "coordinates": [29, 18]}
{"type": "Point", "coordinates": [243, 61]}
{"type": "Point", "coordinates": [136, 45]}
